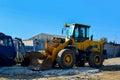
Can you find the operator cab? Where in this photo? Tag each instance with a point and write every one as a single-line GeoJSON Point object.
{"type": "Point", "coordinates": [79, 32]}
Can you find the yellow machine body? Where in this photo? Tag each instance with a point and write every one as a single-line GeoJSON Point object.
{"type": "Point", "coordinates": [57, 46]}
{"type": "Point", "coordinates": [76, 49]}
{"type": "Point", "coordinates": [82, 51]}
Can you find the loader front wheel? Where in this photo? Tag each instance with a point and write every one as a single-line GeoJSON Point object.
{"type": "Point", "coordinates": [95, 60]}
{"type": "Point", "coordinates": [66, 58]}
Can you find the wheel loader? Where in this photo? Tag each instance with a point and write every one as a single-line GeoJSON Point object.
{"type": "Point", "coordinates": [77, 49]}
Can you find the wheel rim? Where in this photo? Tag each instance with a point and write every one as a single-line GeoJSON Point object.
{"type": "Point", "coordinates": [68, 59]}
{"type": "Point", "coordinates": [97, 59]}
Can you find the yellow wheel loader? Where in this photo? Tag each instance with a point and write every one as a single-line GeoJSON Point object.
{"type": "Point", "coordinates": [77, 49]}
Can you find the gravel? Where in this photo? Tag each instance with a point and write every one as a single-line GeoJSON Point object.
{"type": "Point", "coordinates": [14, 72]}
{"type": "Point", "coordinates": [111, 68]}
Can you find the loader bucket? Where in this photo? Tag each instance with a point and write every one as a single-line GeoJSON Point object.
{"type": "Point", "coordinates": [47, 63]}
{"type": "Point", "coordinates": [37, 61]}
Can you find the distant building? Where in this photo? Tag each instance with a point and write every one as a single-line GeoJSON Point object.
{"type": "Point", "coordinates": [37, 42]}
{"type": "Point", "coordinates": [45, 36]}
{"type": "Point", "coordinates": [113, 50]}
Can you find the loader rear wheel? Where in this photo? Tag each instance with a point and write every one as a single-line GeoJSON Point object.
{"type": "Point", "coordinates": [95, 60]}
{"type": "Point", "coordinates": [66, 58]}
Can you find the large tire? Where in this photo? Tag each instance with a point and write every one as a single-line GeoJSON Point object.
{"type": "Point", "coordinates": [66, 58]}
{"type": "Point", "coordinates": [95, 60]}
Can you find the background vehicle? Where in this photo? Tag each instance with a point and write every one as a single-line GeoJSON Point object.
{"type": "Point", "coordinates": [7, 50]}
{"type": "Point", "coordinates": [11, 50]}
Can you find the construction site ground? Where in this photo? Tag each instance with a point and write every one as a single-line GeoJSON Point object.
{"type": "Point", "coordinates": [110, 71]}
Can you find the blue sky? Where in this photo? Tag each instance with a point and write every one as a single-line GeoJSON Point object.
{"type": "Point", "coordinates": [26, 18]}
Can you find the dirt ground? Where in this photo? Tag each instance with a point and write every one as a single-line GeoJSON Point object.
{"type": "Point", "coordinates": [110, 71]}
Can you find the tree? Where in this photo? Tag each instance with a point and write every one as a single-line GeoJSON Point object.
{"type": "Point", "coordinates": [104, 40]}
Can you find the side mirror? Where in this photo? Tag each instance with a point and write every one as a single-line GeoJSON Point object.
{"type": "Point", "coordinates": [91, 37]}
{"type": "Point", "coordinates": [65, 24]}
{"type": "Point", "coordinates": [62, 30]}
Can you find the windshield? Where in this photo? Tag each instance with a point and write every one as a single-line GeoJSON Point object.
{"type": "Point", "coordinates": [88, 31]}
{"type": "Point", "coordinates": [69, 31]}
{"type": "Point", "coordinates": [6, 41]}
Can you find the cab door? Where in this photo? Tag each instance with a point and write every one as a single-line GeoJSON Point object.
{"type": "Point", "coordinates": [7, 49]}
{"type": "Point", "coordinates": [80, 34]}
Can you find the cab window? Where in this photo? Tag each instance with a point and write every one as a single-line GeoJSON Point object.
{"type": "Point", "coordinates": [76, 32]}
{"type": "Point", "coordinates": [82, 32]}
{"type": "Point", "coordinates": [5, 42]}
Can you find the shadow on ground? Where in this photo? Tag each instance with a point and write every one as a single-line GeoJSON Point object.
{"type": "Point", "coordinates": [110, 68]}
